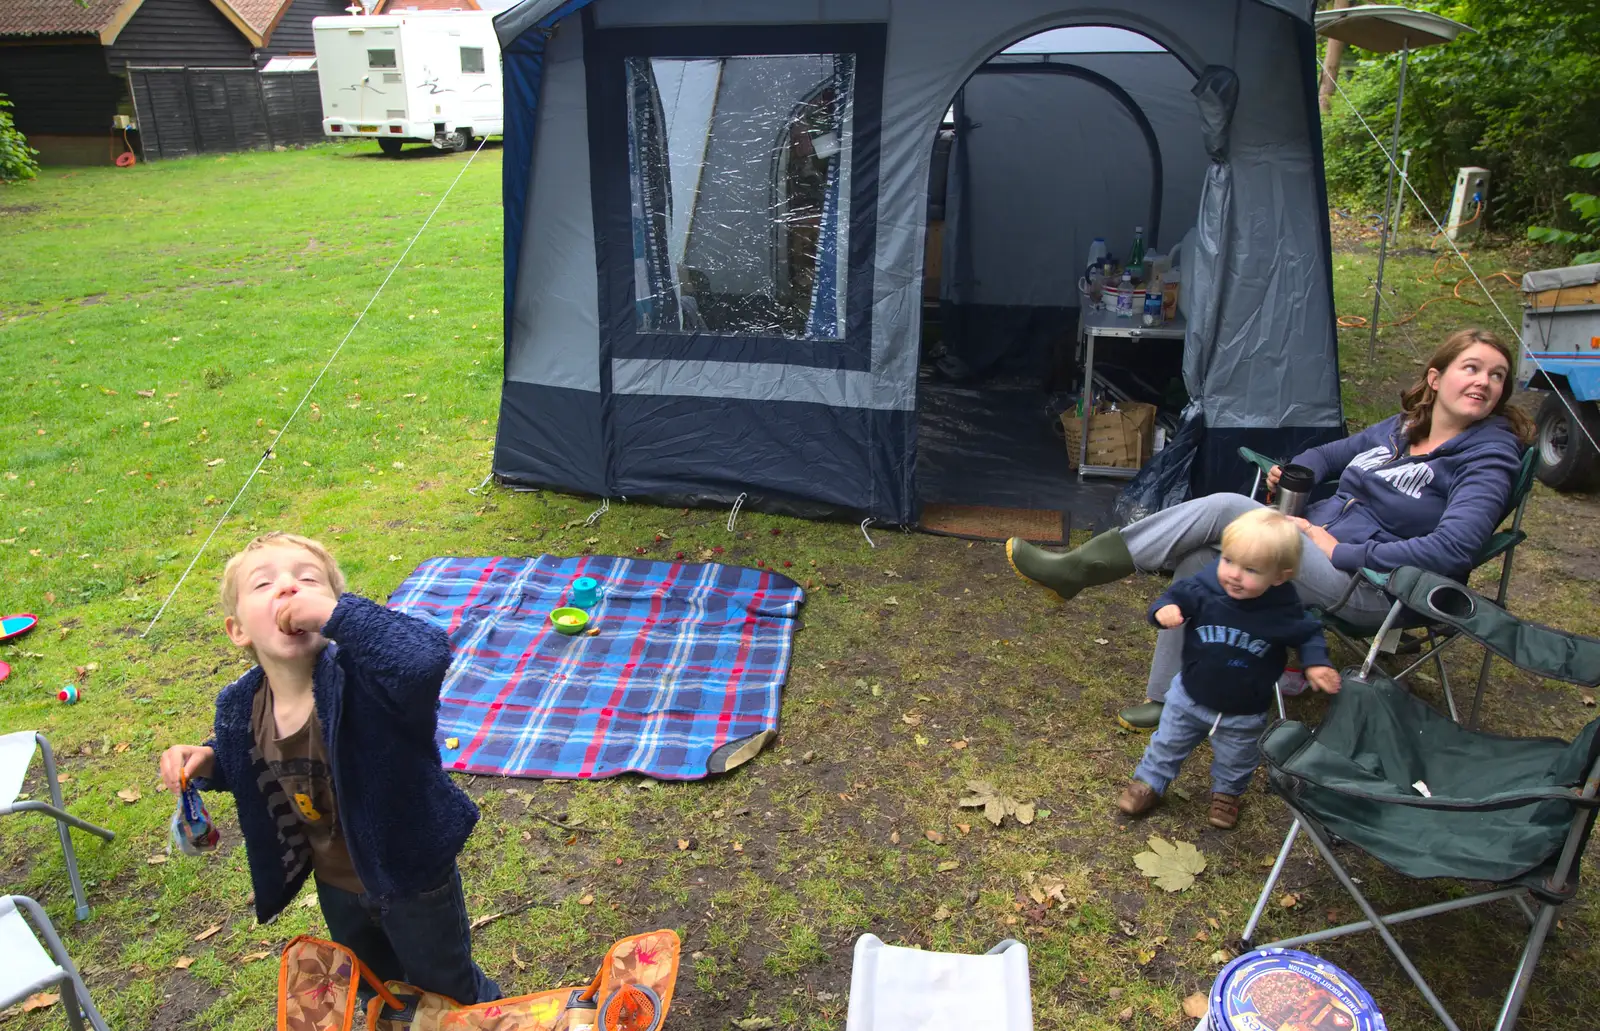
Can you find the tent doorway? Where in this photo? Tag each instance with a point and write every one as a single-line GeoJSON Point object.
{"type": "Point", "coordinates": [1067, 136]}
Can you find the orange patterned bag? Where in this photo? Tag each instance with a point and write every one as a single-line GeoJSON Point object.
{"type": "Point", "coordinates": [317, 982]}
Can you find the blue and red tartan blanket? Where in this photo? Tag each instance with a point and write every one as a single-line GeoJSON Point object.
{"type": "Point", "coordinates": [683, 679]}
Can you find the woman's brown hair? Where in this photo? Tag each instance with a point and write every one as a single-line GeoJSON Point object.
{"type": "Point", "coordinates": [1417, 403]}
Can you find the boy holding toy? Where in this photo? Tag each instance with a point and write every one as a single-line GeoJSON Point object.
{"type": "Point", "coordinates": [328, 749]}
{"type": "Point", "coordinates": [1242, 614]}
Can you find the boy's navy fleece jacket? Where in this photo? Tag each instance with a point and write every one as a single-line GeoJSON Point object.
{"type": "Point", "coordinates": [1435, 511]}
{"type": "Point", "coordinates": [1233, 650]}
{"type": "Point", "coordinates": [376, 689]}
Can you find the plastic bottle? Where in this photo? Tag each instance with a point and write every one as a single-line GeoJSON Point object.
{"type": "Point", "coordinates": [1136, 256]}
{"type": "Point", "coordinates": [1152, 304]}
{"type": "Point", "coordinates": [1125, 295]}
{"type": "Point", "coordinates": [1097, 254]}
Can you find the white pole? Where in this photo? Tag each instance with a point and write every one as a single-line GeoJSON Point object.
{"type": "Point", "coordinates": [1388, 200]}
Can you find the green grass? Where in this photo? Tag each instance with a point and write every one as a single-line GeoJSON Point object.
{"type": "Point", "coordinates": [222, 285]}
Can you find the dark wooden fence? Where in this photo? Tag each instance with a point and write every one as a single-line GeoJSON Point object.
{"type": "Point", "coordinates": [182, 111]}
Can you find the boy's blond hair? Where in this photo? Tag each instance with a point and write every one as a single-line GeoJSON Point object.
{"type": "Point", "coordinates": [277, 539]}
{"type": "Point", "coordinates": [1263, 538]}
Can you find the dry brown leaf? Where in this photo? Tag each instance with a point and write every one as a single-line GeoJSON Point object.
{"type": "Point", "coordinates": [911, 719]}
{"type": "Point", "coordinates": [487, 918]}
{"type": "Point", "coordinates": [183, 963]}
{"type": "Point", "coordinates": [209, 932]}
{"type": "Point", "coordinates": [129, 795]}
{"type": "Point", "coordinates": [587, 900]}
{"type": "Point", "coordinates": [39, 1001]}
{"type": "Point", "coordinates": [942, 913]}
{"type": "Point", "coordinates": [1216, 925]}
{"type": "Point", "coordinates": [958, 745]}
{"type": "Point", "coordinates": [1196, 1006]}
{"type": "Point", "coordinates": [934, 836]}
{"type": "Point", "coordinates": [738, 846]}
{"type": "Point", "coordinates": [996, 807]}
{"type": "Point", "coordinates": [894, 837]}
{"type": "Point", "coordinates": [964, 828]}
{"type": "Point", "coordinates": [1289, 901]}
{"type": "Point", "coordinates": [948, 865]}
{"type": "Point", "coordinates": [1126, 1014]}
{"type": "Point", "coordinates": [683, 844]}
{"type": "Point", "coordinates": [122, 746]}
{"type": "Point", "coordinates": [516, 958]}
{"type": "Point", "coordinates": [1588, 700]}
{"type": "Point", "coordinates": [252, 957]}
{"type": "Point", "coordinates": [156, 860]}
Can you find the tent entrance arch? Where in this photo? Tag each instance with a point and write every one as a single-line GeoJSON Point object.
{"type": "Point", "coordinates": [1070, 135]}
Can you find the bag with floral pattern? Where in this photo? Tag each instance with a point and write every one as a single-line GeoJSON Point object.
{"type": "Point", "coordinates": [318, 981]}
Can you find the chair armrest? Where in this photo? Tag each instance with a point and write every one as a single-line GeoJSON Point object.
{"type": "Point", "coordinates": [1258, 460]}
{"type": "Point", "coordinates": [1557, 654]}
{"type": "Point", "coordinates": [1498, 545]}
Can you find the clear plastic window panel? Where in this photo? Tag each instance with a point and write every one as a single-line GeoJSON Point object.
{"type": "Point", "coordinates": [740, 180]}
{"type": "Point", "coordinates": [471, 60]}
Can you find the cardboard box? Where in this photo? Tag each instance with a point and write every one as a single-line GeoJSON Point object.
{"type": "Point", "coordinates": [1121, 439]}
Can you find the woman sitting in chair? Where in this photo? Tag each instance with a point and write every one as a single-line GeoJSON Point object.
{"type": "Point", "coordinates": [1425, 487]}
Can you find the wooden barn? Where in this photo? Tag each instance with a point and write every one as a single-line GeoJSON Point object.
{"type": "Point", "coordinates": [65, 65]}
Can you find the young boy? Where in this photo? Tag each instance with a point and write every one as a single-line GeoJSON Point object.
{"type": "Point", "coordinates": [328, 748]}
{"type": "Point", "coordinates": [1242, 613]}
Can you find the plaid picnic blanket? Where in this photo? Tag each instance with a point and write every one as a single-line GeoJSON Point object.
{"type": "Point", "coordinates": [683, 679]}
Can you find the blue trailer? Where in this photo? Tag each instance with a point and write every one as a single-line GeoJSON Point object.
{"type": "Point", "coordinates": [1561, 356]}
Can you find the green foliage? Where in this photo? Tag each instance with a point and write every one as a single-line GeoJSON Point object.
{"type": "Point", "coordinates": [1516, 97]}
{"type": "Point", "coordinates": [1587, 207]}
{"type": "Point", "coordinates": [17, 159]}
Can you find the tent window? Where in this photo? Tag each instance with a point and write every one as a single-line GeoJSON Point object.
{"type": "Point", "coordinates": [739, 169]}
{"type": "Point", "coordinates": [471, 60]}
{"type": "Point", "coordinates": [380, 59]}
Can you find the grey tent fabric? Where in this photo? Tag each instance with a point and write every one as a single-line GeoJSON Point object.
{"type": "Point", "coordinates": [593, 402]}
{"type": "Point", "coordinates": [1217, 92]}
{"type": "Point", "coordinates": [1557, 278]}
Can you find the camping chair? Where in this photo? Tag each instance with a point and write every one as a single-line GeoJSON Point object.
{"type": "Point", "coordinates": [16, 755]}
{"type": "Point", "coordinates": [25, 966]}
{"type": "Point", "coordinates": [1436, 637]}
{"type": "Point", "coordinates": [1430, 798]}
{"type": "Point", "coordinates": [893, 987]}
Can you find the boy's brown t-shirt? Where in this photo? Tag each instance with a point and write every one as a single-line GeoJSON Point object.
{"type": "Point", "coordinates": [300, 762]}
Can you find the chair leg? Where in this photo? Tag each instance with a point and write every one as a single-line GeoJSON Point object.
{"type": "Point", "coordinates": [1527, 910]}
{"type": "Point", "coordinates": [1272, 881]}
{"type": "Point", "coordinates": [70, 1003]}
{"type": "Point", "coordinates": [1524, 975]}
{"type": "Point", "coordinates": [1382, 929]}
{"type": "Point", "coordinates": [1483, 682]}
{"type": "Point", "coordinates": [1434, 647]}
{"type": "Point", "coordinates": [78, 895]}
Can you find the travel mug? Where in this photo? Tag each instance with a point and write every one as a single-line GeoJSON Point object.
{"type": "Point", "coordinates": [1294, 487]}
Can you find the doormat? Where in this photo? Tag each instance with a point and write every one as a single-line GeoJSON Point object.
{"type": "Point", "coordinates": [681, 678]}
{"type": "Point", "coordinates": [984, 523]}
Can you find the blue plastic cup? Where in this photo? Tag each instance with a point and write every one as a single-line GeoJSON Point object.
{"type": "Point", "coordinates": [585, 592]}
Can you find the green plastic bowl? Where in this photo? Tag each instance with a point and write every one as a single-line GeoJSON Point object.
{"type": "Point", "coordinates": [570, 621]}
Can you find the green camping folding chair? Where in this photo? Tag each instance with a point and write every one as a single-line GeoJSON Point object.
{"type": "Point", "coordinates": [1430, 798]}
{"type": "Point", "coordinates": [1435, 637]}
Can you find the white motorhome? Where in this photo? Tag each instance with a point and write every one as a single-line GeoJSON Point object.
{"type": "Point", "coordinates": [432, 76]}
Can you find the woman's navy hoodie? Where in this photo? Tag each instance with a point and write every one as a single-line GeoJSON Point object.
{"type": "Point", "coordinates": [1436, 511]}
{"type": "Point", "coordinates": [376, 689]}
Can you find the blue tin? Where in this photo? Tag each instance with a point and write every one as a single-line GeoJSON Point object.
{"type": "Point", "coordinates": [1273, 989]}
{"type": "Point", "coordinates": [585, 592]}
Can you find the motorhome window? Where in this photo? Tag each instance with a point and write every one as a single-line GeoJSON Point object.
{"type": "Point", "coordinates": [741, 208]}
{"type": "Point", "coordinates": [471, 60]}
{"type": "Point", "coordinates": [381, 59]}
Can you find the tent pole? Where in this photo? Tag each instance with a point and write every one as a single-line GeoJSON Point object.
{"type": "Point", "coordinates": [1388, 201]}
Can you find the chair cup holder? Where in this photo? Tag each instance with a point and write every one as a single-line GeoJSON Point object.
{"type": "Point", "coordinates": [1452, 601]}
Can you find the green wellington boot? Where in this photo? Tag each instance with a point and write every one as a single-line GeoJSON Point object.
{"type": "Point", "coordinates": [1103, 559]}
{"type": "Point", "coordinates": [1144, 716]}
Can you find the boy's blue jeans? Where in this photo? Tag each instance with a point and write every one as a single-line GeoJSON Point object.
{"type": "Point", "coordinates": [1184, 724]}
{"type": "Point", "coordinates": [424, 941]}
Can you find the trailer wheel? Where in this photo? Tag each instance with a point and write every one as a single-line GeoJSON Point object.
{"type": "Point", "coordinates": [390, 146]}
{"type": "Point", "coordinates": [460, 140]}
{"type": "Point", "coordinates": [1567, 459]}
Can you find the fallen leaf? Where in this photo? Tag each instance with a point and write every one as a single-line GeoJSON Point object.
{"type": "Point", "coordinates": [1216, 925]}
{"type": "Point", "coordinates": [129, 795]}
{"type": "Point", "coordinates": [996, 807]}
{"type": "Point", "coordinates": [308, 901]}
{"type": "Point", "coordinates": [1101, 640]}
{"type": "Point", "coordinates": [1289, 901]}
{"type": "Point", "coordinates": [209, 932]}
{"type": "Point", "coordinates": [1172, 866]}
{"type": "Point", "coordinates": [911, 719]}
{"type": "Point", "coordinates": [1126, 1014]}
{"type": "Point", "coordinates": [964, 828]}
{"type": "Point", "coordinates": [1588, 700]}
{"type": "Point", "coordinates": [1196, 1005]}
{"type": "Point", "coordinates": [1114, 994]}
{"type": "Point", "coordinates": [754, 1024]}
{"type": "Point", "coordinates": [958, 745]}
{"type": "Point", "coordinates": [738, 847]}
{"type": "Point", "coordinates": [215, 462]}
{"type": "Point", "coordinates": [1181, 793]}
{"type": "Point", "coordinates": [1221, 956]}
{"type": "Point", "coordinates": [156, 860]}
{"type": "Point", "coordinates": [1145, 955]}
{"type": "Point", "coordinates": [122, 746]}
{"type": "Point", "coordinates": [942, 913]}
{"type": "Point", "coordinates": [587, 900]}
{"type": "Point", "coordinates": [145, 393]}
{"type": "Point", "coordinates": [39, 1001]}
{"type": "Point", "coordinates": [487, 918]}
{"type": "Point", "coordinates": [894, 837]}
{"type": "Point", "coordinates": [183, 963]}
{"type": "Point", "coordinates": [921, 741]}
{"type": "Point", "coordinates": [934, 836]}
{"type": "Point", "coordinates": [251, 957]}
{"type": "Point", "coordinates": [948, 865]}
{"type": "Point", "coordinates": [516, 958]}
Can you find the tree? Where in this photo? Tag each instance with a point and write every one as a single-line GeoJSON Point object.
{"type": "Point", "coordinates": [17, 159]}
{"type": "Point", "coordinates": [1584, 205]}
{"type": "Point", "coordinates": [1332, 58]}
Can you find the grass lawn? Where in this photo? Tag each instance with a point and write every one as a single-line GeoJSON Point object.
{"type": "Point", "coordinates": [157, 326]}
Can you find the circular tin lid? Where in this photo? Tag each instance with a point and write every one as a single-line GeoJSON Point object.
{"type": "Point", "coordinates": [1282, 989]}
